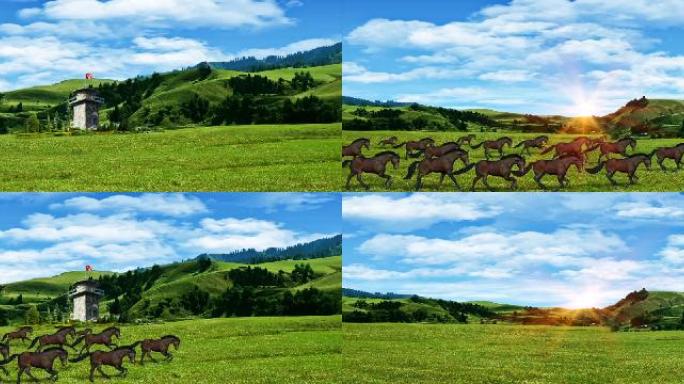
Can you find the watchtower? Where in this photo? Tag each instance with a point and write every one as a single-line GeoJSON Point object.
{"type": "Point", "coordinates": [85, 105]}
{"type": "Point", "coordinates": [85, 296]}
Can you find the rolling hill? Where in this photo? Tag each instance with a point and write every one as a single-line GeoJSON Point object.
{"type": "Point", "coordinates": [312, 58]}
{"type": "Point", "coordinates": [313, 249]}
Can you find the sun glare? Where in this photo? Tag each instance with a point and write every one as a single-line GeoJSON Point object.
{"type": "Point", "coordinates": [585, 108]}
{"type": "Point", "coordinates": [585, 298]}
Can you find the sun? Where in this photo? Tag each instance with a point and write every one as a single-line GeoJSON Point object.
{"type": "Point", "coordinates": [584, 108]}
{"type": "Point", "coordinates": [587, 297]}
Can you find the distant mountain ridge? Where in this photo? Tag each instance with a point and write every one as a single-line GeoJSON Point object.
{"type": "Point", "coordinates": [315, 57]}
{"type": "Point", "coordinates": [325, 247]}
{"type": "Point", "coordinates": [349, 100]}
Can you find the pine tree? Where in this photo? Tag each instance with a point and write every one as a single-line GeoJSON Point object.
{"type": "Point", "coordinates": [32, 124]}
{"type": "Point", "coordinates": [32, 316]}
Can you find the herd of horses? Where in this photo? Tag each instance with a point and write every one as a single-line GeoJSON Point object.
{"type": "Point", "coordinates": [442, 158]}
{"type": "Point", "coordinates": [51, 347]}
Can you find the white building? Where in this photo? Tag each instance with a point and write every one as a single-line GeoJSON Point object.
{"type": "Point", "coordinates": [86, 300]}
{"type": "Point", "coordinates": [85, 105]}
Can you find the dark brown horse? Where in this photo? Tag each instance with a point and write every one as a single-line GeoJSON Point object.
{"type": "Point", "coordinates": [376, 164]}
{"type": "Point", "coordinates": [83, 332]}
{"type": "Point", "coordinates": [415, 145]}
{"type": "Point", "coordinates": [538, 142]}
{"type": "Point", "coordinates": [43, 360]}
{"type": "Point", "coordinates": [4, 351]}
{"type": "Point", "coordinates": [444, 165]}
{"type": "Point", "coordinates": [465, 139]}
{"type": "Point", "coordinates": [114, 358]}
{"type": "Point", "coordinates": [501, 168]}
{"type": "Point", "coordinates": [21, 333]}
{"type": "Point", "coordinates": [497, 145]}
{"type": "Point", "coordinates": [628, 165]}
{"type": "Point", "coordinates": [102, 338]}
{"type": "Point", "coordinates": [573, 148]}
{"type": "Point", "coordinates": [558, 167]}
{"type": "Point", "coordinates": [354, 149]}
{"type": "Point", "coordinates": [160, 345]}
{"type": "Point", "coordinates": [389, 141]}
{"type": "Point", "coordinates": [439, 150]}
{"type": "Point", "coordinates": [675, 153]}
{"type": "Point", "coordinates": [57, 338]}
{"type": "Point", "coordinates": [619, 147]}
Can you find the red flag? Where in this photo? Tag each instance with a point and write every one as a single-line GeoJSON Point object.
{"type": "Point", "coordinates": [89, 268]}
{"type": "Point", "coordinates": [89, 76]}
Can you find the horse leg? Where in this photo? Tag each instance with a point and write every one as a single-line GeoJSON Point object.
{"type": "Point", "coordinates": [514, 183]}
{"type": "Point", "coordinates": [388, 180]}
{"type": "Point", "coordinates": [609, 175]}
{"type": "Point", "coordinates": [99, 369]}
{"type": "Point", "coordinates": [28, 372]}
{"type": "Point", "coordinates": [21, 370]}
{"type": "Point", "coordinates": [122, 370]}
{"type": "Point", "coordinates": [349, 180]}
{"type": "Point", "coordinates": [484, 181]}
{"type": "Point", "coordinates": [478, 177]}
{"type": "Point", "coordinates": [92, 373]}
{"type": "Point", "coordinates": [419, 182]}
{"type": "Point", "coordinates": [486, 153]}
{"type": "Point", "coordinates": [441, 179]}
{"type": "Point", "coordinates": [358, 177]}
{"type": "Point", "coordinates": [53, 374]}
{"type": "Point", "coordinates": [537, 179]}
{"type": "Point", "coordinates": [451, 175]}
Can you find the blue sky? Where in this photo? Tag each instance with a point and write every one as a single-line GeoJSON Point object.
{"type": "Point", "coordinates": [538, 56]}
{"type": "Point", "coordinates": [47, 41]}
{"type": "Point", "coordinates": [43, 234]}
{"type": "Point", "coordinates": [575, 250]}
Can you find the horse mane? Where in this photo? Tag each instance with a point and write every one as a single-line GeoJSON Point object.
{"type": "Point", "coordinates": [453, 150]}
{"type": "Point", "coordinates": [386, 153]}
{"type": "Point", "coordinates": [360, 139]}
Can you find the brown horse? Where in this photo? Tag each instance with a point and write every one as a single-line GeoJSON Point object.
{"type": "Point", "coordinates": [376, 164]}
{"type": "Point", "coordinates": [160, 345]}
{"type": "Point", "coordinates": [4, 351]}
{"type": "Point", "coordinates": [500, 168]}
{"type": "Point", "coordinates": [558, 167]}
{"type": "Point", "coordinates": [102, 338]}
{"type": "Point", "coordinates": [57, 338]}
{"type": "Point", "coordinates": [619, 147]}
{"type": "Point", "coordinates": [114, 358]}
{"type": "Point", "coordinates": [354, 149]}
{"type": "Point", "coordinates": [439, 150]}
{"type": "Point", "coordinates": [389, 141]}
{"type": "Point", "coordinates": [444, 165]}
{"type": "Point", "coordinates": [465, 139]}
{"type": "Point", "coordinates": [573, 148]}
{"type": "Point", "coordinates": [675, 153]}
{"type": "Point", "coordinates": [83, 332]}
{"type": "Point", "coordinates": [538, 142]}
{"type": "Point", "coordinates": [43, 360]}
{"type": "Point", "coordinates": [497, 145]}
{"type": "Point", "coordinates": [21, 333]}
{"type": "Point", "coordinates": [628, 165]}
{"type": "Point", "coordinates": [415, 145]}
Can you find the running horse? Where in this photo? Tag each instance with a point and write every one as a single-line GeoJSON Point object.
{"type": "Point", "coordinates": [444, 165]}
{"type": "Point", "coordinates": [42, 360]}
{"type": "Point", "coordinates": [376, 164]}
{"type": "Point", "coordinates": [497, 145]}
{"type": "Point", "coordinates": [439, 150]}
{"type": "Point", "coordinates": [160, 345]}
{"type": "Point", "coordinates": [619, 147]}
{"type": "Point", "coordinates": [538, 142]}
{"type": "Point", "coordinates": [57, 338]}
{"type": "Point", "coordinates": [675, 153]}
{"type": "Point", "coordinates": [21, 333]}
{"type": "Point", "coordinates": [102, 338]}
{"type": "Point", "coordinates": [465, 139]}
{"type": "Point", "coordinates": [389, 141]}
{"type": "Point", "coordinates": [419, 145]}
{"type": "Point", "coordinates": [558, 167]}
{"type": "Point", "coordinates": [501, 168]}
{"type": "Point", "coordinates": [114, 358]}
{"type": "Point", "coordinates": [354, 149]}
{"type": "Point", "coordinates": [573, 148]}
{"type": "Point", "coordinates": [628, 165]}
{"type": "Point", "coordinates": [4, 351]}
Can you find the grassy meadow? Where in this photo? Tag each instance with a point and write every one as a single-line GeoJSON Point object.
{"type": "Point", "coordinates": [654, 180]}
{"type": "Point", "coordinates": [235, 350]}
{"type": "Point", "coordinates": [503, 354]}
{"type": "Point", "coordinates": [228, 158]}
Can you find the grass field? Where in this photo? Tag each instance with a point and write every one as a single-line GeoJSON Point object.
{"type": "Point", "coordinates": [654, 180]}
{"type": "Point", "coordinates": [503, 354]}
{"type": "Point", "coordinates": [234, 158]}
{"type": "Point", "coordinates": [238, 350]}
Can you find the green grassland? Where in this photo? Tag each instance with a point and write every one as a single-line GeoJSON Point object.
{"type": "Point", "coordinates": [235, 350]}
{"type": "Point", "coordinates": [232, 158]}
{"type": "Point", "coordinates": [654, 180]}
{"type": "Point", "coordinates": [503, 354]}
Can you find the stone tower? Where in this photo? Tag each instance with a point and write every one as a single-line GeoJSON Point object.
{"type": "Point", "coordinates": [85, 105]}
{"type": "Point", "coordinates": [86, 300]}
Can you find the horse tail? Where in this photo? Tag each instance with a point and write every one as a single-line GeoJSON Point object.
{"type": "Point", "coordinates": [346, 163]}
{"type": "Point", "coordinates": [592, 148]}
{"type": "Point", "coordinates": [523, 172]}
{"type": "Point", "coordinates": [35, 340]}
{"type": "Point", "coordinates": [519, 144]}
{"type": "Point", "coordinates": [476, 146]}
{"type": "Point", "coordinates": [132, 346]}
{"type": "Point", "coordinates": [596, 169]}
{"type": "Point", "coordinates": [650, 155]}
{"type": "Point", "coordinates": [412, 170]}
{"type": "Point", "coordinates": [399, 145]}
{"type": "Point", "coordinates": [465, 169]}
{"type": "Point", "coordinates": [416, 154]}
{"type": "Point", "coordinates": [77, 341]}
{"type": "Point", "coordinates": [548, 149]}
{"type": "Point", "coordinates": [79, 358]}
{"type": "Point", "coordinates": [9, 359]}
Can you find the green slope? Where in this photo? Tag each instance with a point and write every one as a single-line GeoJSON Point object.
{"type": "Point", "coordinates": [49, 95]}
{"type": "Point", "coordinates": [46, 288]}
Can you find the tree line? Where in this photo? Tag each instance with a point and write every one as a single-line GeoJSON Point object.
{"type": "Point", "coordinates": [396, 312]}
{"type": "Point", "coordinates": [397, 119]}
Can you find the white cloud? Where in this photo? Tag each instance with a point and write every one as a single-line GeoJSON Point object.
{"type": "Point", "coordinates": [298, 46]}
{"type": "Point", "coordinates": [404, 213]}
{"type": "Point", "coordinates": [647, 210]}
{"type": "Point", "coordinates": [161, 204]}
{"type": "Point", "coordinates": [293, 202]}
